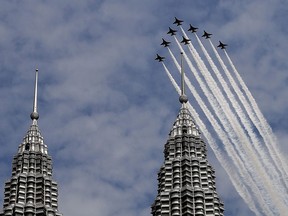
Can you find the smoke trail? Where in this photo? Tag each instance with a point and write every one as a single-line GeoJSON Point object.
{"type": "Point", "coordinates": [257, 168]}
{"type": "Point", "coordinates": [223, 136]}
{"type": "Point", "coordinates": [240, 188]}
{"type": "Point", "coordinates": [214, 86]}
{"type": "Point", "coordinates": [261, 123]}
{"type": "Point", "coordinates": [222, 115]}
{"type": "Point", "coordinates": [242, 116]}
{"type": "Point", "coordinates": [177, 88]}
{"type": "Point", "coordinates": [224, 105]}
{"type": "Point", "coordinates": [259, 148]}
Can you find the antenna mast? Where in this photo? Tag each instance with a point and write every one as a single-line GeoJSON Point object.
{"type": "Point", "coordinates": [34, 115]}
{"type": "Point", "coordinates": [183, 98]}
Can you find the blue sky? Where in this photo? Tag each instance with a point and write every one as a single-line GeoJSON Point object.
{"type": "Point", "coordinates": [106, 107]}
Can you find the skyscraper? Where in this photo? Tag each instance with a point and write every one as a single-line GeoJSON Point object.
{"type": "Point", "coordinates": [31, 190]}
{"type": "Point", "coordinates": [186, 181]}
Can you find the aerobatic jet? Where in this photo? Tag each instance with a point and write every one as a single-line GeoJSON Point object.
{"type": "Point", "coordinates": [185, 40]}
{"type": "Point", "coordinates": [159, 58]}
{"type": "Point", "coordinates": [178, 22]}
{"type": "Point", "coordinates": [192, 29]}
{"type": "Point", "coordinates": [206, 35]}
{"type": "Point", "coordinates": [221, 45]}
{"type": "Point", "coordinates": [165, 43]}
{"type": "Point", "coordinates": [171, 31]}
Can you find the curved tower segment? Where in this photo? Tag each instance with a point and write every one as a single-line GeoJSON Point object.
{"type": "Point", "coordinates": [31, 190]}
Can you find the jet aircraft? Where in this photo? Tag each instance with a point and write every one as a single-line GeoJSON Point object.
{"type": "Point", "coordinates": [222, 45]}
{"type": "Point", "coordinates": [171, 31]}
{"type": "Point", "coordinates": [165, 43]}
{"type": "Point", "coordinates": [185, 40]}
{"type": "Point", "coordinates": [159, 58]}
{"type": "Point", "coordinates": [178, 22]}
{"type": "Point", "coordinates": [206, 35]}
{"type": "Point", "coordinates": [192, 29]}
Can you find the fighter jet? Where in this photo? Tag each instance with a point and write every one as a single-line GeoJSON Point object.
{"type": "Point", "coordinates": [192, 29]}
{"type": "Point", "coordinates": [165, 43]}
{"type": "Point", "coordinates": [159, 58]}
{"type": "Point", "coordinates": [185, 40]}
{"type": "Point", "coordinates": [221, 45]}
{"type": "Point", "coordinates": [178, 22]}
{"type": "Point", "coordinates": [171, 31]}
{"type": "Point", "coordinates": [206, 35]}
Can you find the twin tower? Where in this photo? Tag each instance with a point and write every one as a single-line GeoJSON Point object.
{"type": "Point", "coordinates": [186, 181]}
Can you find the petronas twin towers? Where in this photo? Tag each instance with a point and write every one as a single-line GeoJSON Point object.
{"type": "Point", "coordinates": [186, 181]}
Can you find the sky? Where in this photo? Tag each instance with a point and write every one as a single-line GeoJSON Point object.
{"type": "Point", "coordinates": [106, 107]}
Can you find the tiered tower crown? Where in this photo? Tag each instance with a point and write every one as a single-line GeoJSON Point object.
{"type": "Point", "coordinates": [31, 191]}
{"type": "Point", "coordinates": [186, 181]}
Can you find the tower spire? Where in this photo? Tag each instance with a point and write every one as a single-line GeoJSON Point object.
{"type": "Point", "coordinates": [34, 115]}
{"type": "Point", "coordinates": [186, 181]}
{"type": "Point", "coordinates": [31, 190]}
{"type": "Point", "coordinates": [183, 98]}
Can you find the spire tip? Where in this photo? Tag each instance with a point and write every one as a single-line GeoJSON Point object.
{"type": "Point", "coordinates": [183, 98]}
{"type": "Point", "coordinates": [34, 115]}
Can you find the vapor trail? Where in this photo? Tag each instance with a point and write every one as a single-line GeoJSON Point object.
{"type": "Point", "coordinates": [227, 144]}
{"type": "Point", "coordinates": [239, 186]}
{"type": "Point", "coordinates": [233, 122]}
{"type": "Point", "coordinates": [222, 112]}
{"type": "Point", "coordinates": [242, 116]}
{"type": "Point", "coordinates": [256, 144]}
{"type": "Point", "coordinates": [261, 123]}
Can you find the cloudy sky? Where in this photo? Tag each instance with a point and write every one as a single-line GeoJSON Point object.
{"type": "Point", "coordinates": [106, 107]}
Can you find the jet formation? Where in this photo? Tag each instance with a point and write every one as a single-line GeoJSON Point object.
{"type": "Point", "coordinates": [185, 40]}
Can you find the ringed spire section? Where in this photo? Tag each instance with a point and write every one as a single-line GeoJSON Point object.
{"type": "Point", "coordinates": [34, 115]}
{"type": "Point", "coordinates": [183, 98]}
{"type": "Point", "coordinates": [31, 190]}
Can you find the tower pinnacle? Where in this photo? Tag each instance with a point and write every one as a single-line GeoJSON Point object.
{"type": "Point", "coordinates": [34, 115]}
{"type": "Point", "coordinates": [186, 181]}
{"type": "Point", "coordinates": [31, 191]}
{"type": "Point", "coordinates": [183, 98]}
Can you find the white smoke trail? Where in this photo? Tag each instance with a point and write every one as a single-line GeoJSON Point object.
{"type": "Point", "coordinates": [261, 123]}
{"type": "Point", "coordinates": [228, 146]}
{"type": "Point", "coordinates": [227, 90]}
{"type": "Point", "coordinates": [242, 117]}
{"type": "Point", "coordinates": [224, 105]}
{"type": "Point", "coordinates": [257, 169]}
{"type": "Point", "coordinates": [269, 163]}
{"type": "Point", "coordinates": [215, 104]}
{"type": "Point", "coordinates": [239, 186]}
